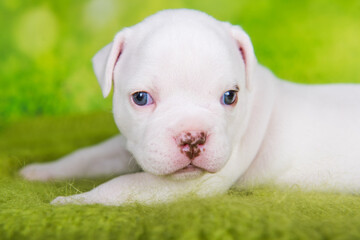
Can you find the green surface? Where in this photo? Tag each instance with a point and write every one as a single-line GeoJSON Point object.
{"type": "Point", "coordinates": [46, 46]}
{"type": "Point", "coordinates": [262, 213]}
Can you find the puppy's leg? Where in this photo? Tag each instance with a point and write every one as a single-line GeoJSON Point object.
{"type": "Point", "coordinates": [146, 188]}
{"type": "Point", "coordinates": [109, 157]}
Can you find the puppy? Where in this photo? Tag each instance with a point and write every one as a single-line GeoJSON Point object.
{"type": "Point", "coordinates": [198, 114]}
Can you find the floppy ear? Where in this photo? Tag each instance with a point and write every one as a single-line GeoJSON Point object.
{"type": "Point", "coordinates": [247, 51]}
{"type": "Point", "coordinates": [104, 62]}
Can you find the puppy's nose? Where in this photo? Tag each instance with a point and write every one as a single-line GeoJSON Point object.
{"type": "Point", "coordinates": [191, 143]}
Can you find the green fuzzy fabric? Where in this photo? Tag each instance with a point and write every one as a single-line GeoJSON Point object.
{"type": "Point", "coordinates": [258, 213]}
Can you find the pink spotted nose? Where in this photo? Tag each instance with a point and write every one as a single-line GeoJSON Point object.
{"type": "Point", "coordinates": [191, 143]}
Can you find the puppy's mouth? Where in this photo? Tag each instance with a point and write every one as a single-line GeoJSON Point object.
{"type": "Point", "coordinates": [188, 172]}
{"type": "Point", "coordinates": [189, 168]}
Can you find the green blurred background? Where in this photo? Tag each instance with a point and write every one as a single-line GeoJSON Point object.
{"type": "Point", "coordinates": [46, 46]}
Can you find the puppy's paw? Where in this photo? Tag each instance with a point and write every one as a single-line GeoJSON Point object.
{"type": "Point", "coordinates": [61, 201]}
{"type": "Point", "coordinates": [36, 172]}
{"type": "Point", "coordinates": [75, 199]}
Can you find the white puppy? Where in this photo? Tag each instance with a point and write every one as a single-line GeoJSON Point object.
{"type": "Point", "coordinates": [199, 115]}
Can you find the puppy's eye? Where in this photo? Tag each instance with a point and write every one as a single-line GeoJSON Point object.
{"type": "Point", "coordinates": [142, 98]}
{"type": "Point", "coordinates": [229, 97]}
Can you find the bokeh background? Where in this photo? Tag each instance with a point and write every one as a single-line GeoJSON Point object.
{"type": "Point", "coordinates": [46, 46]}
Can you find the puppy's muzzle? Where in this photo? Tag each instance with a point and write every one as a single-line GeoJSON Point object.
{"type": "Point", "coordinates": [191, 143]}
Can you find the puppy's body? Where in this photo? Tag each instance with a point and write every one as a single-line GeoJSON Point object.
{"type": "Point", "coordinates": [312, 136]}
{"type": "Point", "coordinates": [189, 136]}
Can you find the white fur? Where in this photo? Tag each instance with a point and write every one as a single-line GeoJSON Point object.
{"type": "Point", "coordinates": [277, 131]}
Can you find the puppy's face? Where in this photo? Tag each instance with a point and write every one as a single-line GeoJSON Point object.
{"type": "Point", "coordinates": [180, 93]}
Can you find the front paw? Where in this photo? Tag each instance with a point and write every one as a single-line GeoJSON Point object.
{"type": "Point", "coordinates": [36, 172]}
{"type": "Point", "coordinates": [79, 199]}
{"type": "Point", "coordinates": [64, 200]}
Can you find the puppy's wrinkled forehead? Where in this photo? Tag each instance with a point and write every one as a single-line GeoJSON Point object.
{"type": "Point", "coordinates": [181, 49]}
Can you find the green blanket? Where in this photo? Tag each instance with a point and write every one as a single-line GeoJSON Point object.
{"type": "Point", "coordinates": [259, 213]}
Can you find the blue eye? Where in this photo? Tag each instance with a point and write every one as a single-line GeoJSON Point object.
{"type": "Point", "coordinates": [142, 98]}
{"type": "Point", "coordinates": [229, 97]}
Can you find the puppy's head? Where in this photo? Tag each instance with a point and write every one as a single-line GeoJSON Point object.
{"type": "Point", "coordinates": [181, 81]}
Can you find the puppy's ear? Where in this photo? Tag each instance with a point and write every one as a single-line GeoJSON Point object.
{"type": "Point", "coordinates": [104, 61]}
{"type": "Point", "coordinates": [246, 50]}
